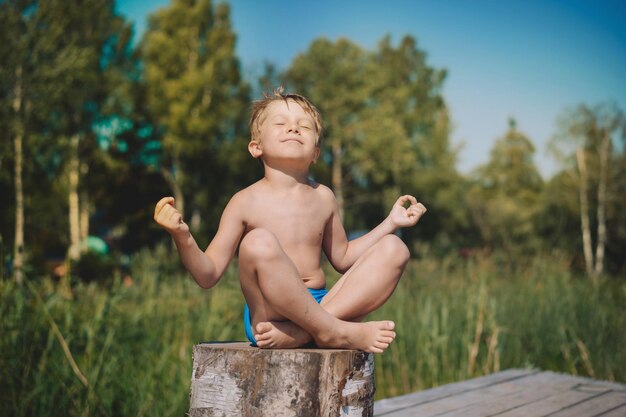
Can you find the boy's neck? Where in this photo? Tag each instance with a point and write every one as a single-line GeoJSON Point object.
{"type": "Point", "coordinates": [286, 178]}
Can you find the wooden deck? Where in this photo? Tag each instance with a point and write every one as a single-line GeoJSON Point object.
{"type": "Point", "coordinates": [512, 393]}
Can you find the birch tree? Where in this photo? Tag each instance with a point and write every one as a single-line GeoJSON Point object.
{"type": "Point", "coordinates": [56, 52]}
{"type": "Point", "coordinates": [585, 143]}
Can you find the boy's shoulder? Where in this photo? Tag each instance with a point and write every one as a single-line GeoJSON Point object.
{"type": "Point", "coordinates": [322, 190]}
{"type": "Point", "coordinates": [256, 191]}
{"type": "Point", "coordinates": [245, 195]}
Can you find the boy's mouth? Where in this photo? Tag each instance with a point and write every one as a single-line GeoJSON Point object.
{"type": "Point", "coordinates": [293, 140]}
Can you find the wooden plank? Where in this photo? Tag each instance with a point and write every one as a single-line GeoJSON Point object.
{"type": "Point", "coordinates": [594, 406]}
{"type": "Point", "coordinates": [461, 400]}
{"type": "Point", "coordinates": [583, 390]}
{"type": "Point", "coordinates": [534, 389]}
{"type": "Point", "coordinates": [550, 404]}
{"type": "Point", "coordinates": [616, 412]}
{"type": "Point", "coordinates": [386, 406]}
{"type": "Point", "coordinates": [513, 393]}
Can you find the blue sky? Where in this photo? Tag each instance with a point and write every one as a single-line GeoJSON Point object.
{"type": "Point", "coordinates": [529, 60]}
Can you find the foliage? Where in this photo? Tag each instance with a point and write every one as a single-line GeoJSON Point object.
{"type": "Point", "coordinates": [195, 91]}
{"type": "Point", "coordinates": [457, 321]}
{"type": "Point", "coordinates": [60, 54]}
{"type": "Point", "coordinates": [590, 145]}
{"type": "Point", "coordinates": [170, 116]}
{"type": "Point", "coordinates": [504, 198]}
{"type": "Point", "coordinates": [131, 341]}
{"type": "Point", "coordinates": [387, 129]}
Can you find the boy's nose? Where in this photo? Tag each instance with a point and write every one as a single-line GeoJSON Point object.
{"type": "Point", "coordinates": [293, 128]}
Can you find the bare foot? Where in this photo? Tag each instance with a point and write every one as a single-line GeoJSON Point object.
{"type": "Point", "coordinates": [280, 335]}
{"type": "Point", "coordinates": [371, 336]}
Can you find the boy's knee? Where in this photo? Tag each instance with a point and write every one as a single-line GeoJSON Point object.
{"type": "Point", "coordinates": [259, 244]}
{"type": "Point", "coordinates": [394, 248]}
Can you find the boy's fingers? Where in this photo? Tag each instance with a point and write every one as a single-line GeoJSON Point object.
{"type": "Point", "coordinates": [402, 199]}
{"type": "Point", "coordinates": [162, 202]}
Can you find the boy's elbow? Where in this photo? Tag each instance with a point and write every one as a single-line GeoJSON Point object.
{"type": "Point", "coordinates": [341, 267]}
{"type": "Point", "coordinates": [206, 282]}
{"type": "Point", "coordinates": [342, 270]}
{"type": "Point", "coordinates": [205, 285]}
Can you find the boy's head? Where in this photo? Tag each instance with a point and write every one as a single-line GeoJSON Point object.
{"type": "Point", "coordinates": [259, 107]}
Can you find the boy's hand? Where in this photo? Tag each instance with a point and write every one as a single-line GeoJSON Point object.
{"type": "Point", "coordinates": [168, 217]}
{"type": "Point", "coordinates": [401, 216]}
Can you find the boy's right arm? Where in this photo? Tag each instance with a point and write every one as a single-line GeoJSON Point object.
{"type": "Point", "coordinates": [206, 267]}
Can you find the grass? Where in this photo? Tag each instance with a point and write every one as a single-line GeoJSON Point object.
{"type": "Point", "coordinates": [126, 350]}
{"type": "Point", "coordinates": [457, 322]}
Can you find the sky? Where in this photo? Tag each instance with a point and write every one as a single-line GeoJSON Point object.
{"type": "Point", "coordinates": [527, 59]}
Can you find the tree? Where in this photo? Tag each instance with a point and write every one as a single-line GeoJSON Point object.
{"type": "Point", "coordinates": [14, 23]}
{"type": "Point", "coordinates": [333, 76]}
{"type": "Point", "coordinates": [504, 200]}
{"type": "Point", "coordinates": [386, 124]}
{"type": "Point", "coordinates": [57, 53]}
{"type": "Point", "coordinates": [407, 132]}
{"type": "Point", "coordinates": [195, 90]}
{"type": "Point", "coordinates": [585, 143]}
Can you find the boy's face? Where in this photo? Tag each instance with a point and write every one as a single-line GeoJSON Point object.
{"type": "Point", "coordinates": [286, 132]}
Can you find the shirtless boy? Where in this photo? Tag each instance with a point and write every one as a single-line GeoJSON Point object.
{"type": "Point", "coordinates": [281, 224]}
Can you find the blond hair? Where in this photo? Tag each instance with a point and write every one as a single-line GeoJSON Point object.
{"type": "Point", "coordinates": [257, 113]}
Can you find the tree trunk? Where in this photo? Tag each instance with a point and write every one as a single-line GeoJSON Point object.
{"type": "Point", "coordinates": [584, 210]}
{"type": "Point", "coordinates": [234, 379]}
{"type": "Point", "coordinates": [84, 206]}
{"type": "Point", "coordinates": [176, 190]}
{"type": "Point", "coordinates": [179, 198]}
{"type": "Point", "coordinates": [18, 254]}
{"type": "Point", "coordinates": [74, 211]}
{"type": "Point", "coordinates": [337, 178]}
{"type": "Point", "coordinates": [602, 186]}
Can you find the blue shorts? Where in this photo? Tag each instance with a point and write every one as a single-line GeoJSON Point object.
{"type": "Point", "coordinates": [318, 294]}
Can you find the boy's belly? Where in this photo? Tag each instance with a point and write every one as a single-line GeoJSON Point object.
{"type": "Point", "coordinates": [315, 281]}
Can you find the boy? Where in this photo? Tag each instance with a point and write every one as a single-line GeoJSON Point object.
{"type": "Point", "coordinates": [281, 223]}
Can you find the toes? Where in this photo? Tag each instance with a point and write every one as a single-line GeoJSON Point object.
{"type": "Point", "coordinates": [375, 349]}
{"type": "Point", "coordinates": [263, 327]}
{"type": "Point", "coordinates": [261, 337]}
{"type": "Point", "coordinates": [380, 346]}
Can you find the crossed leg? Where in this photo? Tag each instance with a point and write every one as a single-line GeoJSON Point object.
{"type": "Point", "coordinates": [284, 313]}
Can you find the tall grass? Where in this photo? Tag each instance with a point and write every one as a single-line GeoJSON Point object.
{"type": "Point", "coordinates": [132, 343]}
{"type": "Point", "coordinates": [126, 350]}
{"type": "Point", "coordinates": [457, 321]}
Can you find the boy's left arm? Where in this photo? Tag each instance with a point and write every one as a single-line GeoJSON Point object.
{"type": "Point", "coordinates": [342, 253]}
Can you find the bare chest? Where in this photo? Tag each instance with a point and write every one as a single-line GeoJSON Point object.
{"type": "Point", "coordinates": [295, 223]}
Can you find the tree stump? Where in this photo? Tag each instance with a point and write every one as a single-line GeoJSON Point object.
{"type": "Point", "coordinates": [235, 379]}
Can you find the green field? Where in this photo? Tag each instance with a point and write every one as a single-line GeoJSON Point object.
{"type": "Point", "coordinates": [125, 350]}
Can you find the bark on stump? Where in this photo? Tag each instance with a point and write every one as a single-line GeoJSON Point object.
{"type": "Point", "coordinates": [235, 379]}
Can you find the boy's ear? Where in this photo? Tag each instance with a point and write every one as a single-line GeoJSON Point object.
{"type": "Point", "coordinates": [254, 147]}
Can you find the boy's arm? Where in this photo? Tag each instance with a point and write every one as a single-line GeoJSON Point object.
{"type": "Point", "coordinates": [206, 267]}
{"type": "Point", "coordinates": [342, 253]}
